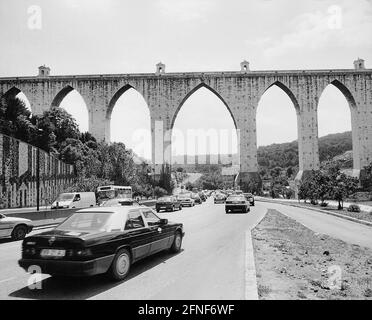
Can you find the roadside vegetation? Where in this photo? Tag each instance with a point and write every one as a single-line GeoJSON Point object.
{"type": "Point", "coordinates": [211, 178]}
{"type": "Point", "coordinates": [96, 163]}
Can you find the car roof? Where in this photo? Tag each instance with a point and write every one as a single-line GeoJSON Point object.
{"type": "Point", "coordinates": [113, 209]}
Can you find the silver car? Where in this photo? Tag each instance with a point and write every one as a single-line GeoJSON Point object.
{"type": "Point", "coordinates": [237, 203]}
{"type": "Point", "coordinates": [16, 228]}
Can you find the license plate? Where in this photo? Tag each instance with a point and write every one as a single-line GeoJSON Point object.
{"type": "Point", "coordinates": [53, 253]}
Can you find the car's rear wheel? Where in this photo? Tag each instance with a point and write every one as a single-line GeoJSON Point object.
{"type": "Point", "coordinates": [177, 243]}
{"type": "Point", "coordinates": [19, 233]}
{"type": "Point", "coordinates": [120, 265]}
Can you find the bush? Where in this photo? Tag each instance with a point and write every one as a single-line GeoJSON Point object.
{"type": "Point", "coordinates": [160, 192]}
{"type": "Point", "coordinates": [353, 208]}
{"type": "Point", "coordinates": [324, 204]}
{"type": "Point", "coordinates": [314, 202]}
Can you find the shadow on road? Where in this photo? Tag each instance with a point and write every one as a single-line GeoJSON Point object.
{"type": "Point", "coordinates": [7, 240]}
{"type": "Point", "coordinates": [83, 288]}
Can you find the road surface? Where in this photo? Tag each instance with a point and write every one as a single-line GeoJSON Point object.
{"type": "Point", "coordinates": [211, 265]}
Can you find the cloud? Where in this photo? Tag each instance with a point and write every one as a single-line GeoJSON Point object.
{"type": "Point", "coordinates": [185, 10]}
{"type": "Point", "coordinates": [335, 27]}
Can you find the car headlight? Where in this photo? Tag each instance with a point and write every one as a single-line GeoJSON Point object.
{"type": "Point", "coordinates": [83, 253]}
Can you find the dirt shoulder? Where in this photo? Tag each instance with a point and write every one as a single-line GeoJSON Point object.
{"type": "Point", "coordinates": [293, 262]}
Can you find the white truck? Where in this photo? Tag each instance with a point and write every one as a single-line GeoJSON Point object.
{"type": "Point", "coordinates": [75, 200]}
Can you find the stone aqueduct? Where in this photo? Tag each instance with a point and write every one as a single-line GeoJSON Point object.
{"type": "Point", "coordinates": [240, 91]}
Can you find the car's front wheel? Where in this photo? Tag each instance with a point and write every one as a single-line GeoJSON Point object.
{"type": "Point", "coordinates": [19, 233]}
{"type": "Point", "coordinates": [177, 243]}
{"type": "Point", "coordinates": [120, 265]}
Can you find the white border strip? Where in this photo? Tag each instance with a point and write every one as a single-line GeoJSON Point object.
{"type": "Point", "coordinates": [251, 292]}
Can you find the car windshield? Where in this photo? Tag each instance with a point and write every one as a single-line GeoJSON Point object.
{"type": "Point", "coordinates": [165, 199]}
{"type": "Point", "coordinates": [65, 196]}
{"type": "Point", "coordinates": [106, 194]}
{"type": "Point", "coordinates": [184, 196]}
{"type": "Point", "coordinates": [236, 198]}
{"type": "Point", "coordinates": [117, 202]}
{"type": "Point", "coordinates": [86, 221]}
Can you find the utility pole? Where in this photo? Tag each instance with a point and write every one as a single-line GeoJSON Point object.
{"type": "Point", "coordinates": [37, 179]}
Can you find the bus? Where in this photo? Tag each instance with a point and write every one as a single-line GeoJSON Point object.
{"type": "Point", "coordinates": [110, 192]}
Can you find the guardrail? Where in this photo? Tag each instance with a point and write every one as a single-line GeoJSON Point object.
{"type": "Point", "coordinates": [57, 213]}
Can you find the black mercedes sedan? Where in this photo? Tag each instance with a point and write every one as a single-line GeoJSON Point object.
{"type": "Point", "coordinates": [101, 240]}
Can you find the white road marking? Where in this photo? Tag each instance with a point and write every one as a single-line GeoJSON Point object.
{"type": "Point", "coordinates": [251, 292]}
{"type": "Point", "coordinates": [5, 280]}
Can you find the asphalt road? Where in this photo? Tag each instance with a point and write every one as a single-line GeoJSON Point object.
{"type": "Point", "coordinates": [210, 266]}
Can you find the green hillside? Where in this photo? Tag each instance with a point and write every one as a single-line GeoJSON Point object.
{"type": "Point", "coordinates": [285, 155]}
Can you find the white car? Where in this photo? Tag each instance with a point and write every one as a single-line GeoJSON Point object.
{"type": "Point", "coordinates": [186, 199]}
{"type": "Point", "coordinates": [16, 228]}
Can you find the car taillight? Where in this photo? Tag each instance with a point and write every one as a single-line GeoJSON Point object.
{"type": "Point", "coordinates": [29, 251]}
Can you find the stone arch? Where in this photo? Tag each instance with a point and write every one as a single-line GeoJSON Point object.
{"type": "Point", "coordinates": [352, 106]}
{"type": "Point", "coordinates": [116, 97]}
{"type": "Point", "coordinates": [292, 124]}
{"type": "Point", "coordinates": [345, 91]}
{"type": "Point", "coordinates": [60, 97]}
{"type": "Point", "coordinates": [62, 94]}
{"type": "Point", "coordinates": [14, 91]}
{"type": "Point", "coordinates": [288, 91]}
{"type": "Point", "coordinates": [201, 85]}
{"type": "Point", "coordinates": [144, 132]}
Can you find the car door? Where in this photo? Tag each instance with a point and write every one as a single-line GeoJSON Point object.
{"type": "Point", "coordinates": [138, 234]}
{"type": "Point", "coordinates": [6, 227]}
{"type": "Point", "coordinates": [160, 235]}
{"type": "Point", "coordinates": [177, 201]}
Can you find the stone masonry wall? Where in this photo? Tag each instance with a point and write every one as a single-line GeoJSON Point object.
{"type": "Point", "coordinates": [18, 172]}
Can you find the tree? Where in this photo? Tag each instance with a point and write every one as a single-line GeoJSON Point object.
{"type": "Point", "coordinates": [160, 192]}
{"type": "Point", "coordinates": [342, 185]}
{"type": "Point", "coordinates": [165, 180]}
{"type": "Point", "coordinates": [88, 184]}
{"type": "Point", "coordinates": [15, 119]}
{"type": "Point", "coordinates": [366, 178]}
{"type": "Point", "coordinates": [328, 183]}
{"type": "Point", "coordinates": [62, 124]}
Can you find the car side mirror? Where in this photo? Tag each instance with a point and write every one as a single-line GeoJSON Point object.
{"type": "Point", "coordinates": [163, 221]}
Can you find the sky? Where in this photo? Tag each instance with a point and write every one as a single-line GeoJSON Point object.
{"type": "Point", "coordinates": [119, 36]}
